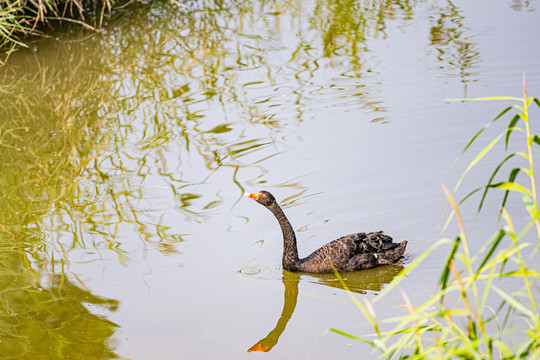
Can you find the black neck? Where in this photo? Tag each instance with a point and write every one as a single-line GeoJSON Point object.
{"type": "Point", "coordinates": [290, 252]}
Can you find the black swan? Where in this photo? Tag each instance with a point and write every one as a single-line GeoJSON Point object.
{"type": "Point", "coordinates": [348, 253]}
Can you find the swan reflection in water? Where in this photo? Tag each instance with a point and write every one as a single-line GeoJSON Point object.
{"type": "Point", "coordinates": [360, 282]}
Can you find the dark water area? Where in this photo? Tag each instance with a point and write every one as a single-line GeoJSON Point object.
{"type": "Point", "coordinates": [124, 231]}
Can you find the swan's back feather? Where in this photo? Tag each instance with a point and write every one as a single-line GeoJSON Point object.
{"type": "Point", "coordinates": [354, 252]}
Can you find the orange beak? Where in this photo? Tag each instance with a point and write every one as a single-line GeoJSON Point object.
{"type": "Point", "coordinates": [258, 347]}
{"type": "Point", "coordinates": [254, 196]}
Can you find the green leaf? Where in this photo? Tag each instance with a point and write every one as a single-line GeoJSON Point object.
{"type": "Point", "coordinates": [513, 302]}
{"type": "Point", "coordinates": [446, 271]}
{"type": "Point", "coordinates": [511, 186]}
{"type": "Point", "coordinates": [478, 158]}
{"type": "Point", "coordinates": [530, 206]}
{"type": "Point", "coordinates": [485, 127]}
{"type": "Point", "coordinates": [469, 195]}
{"type": "Point", "coordinates": [504, 350]}
{"type": "Point", "coordinates": [523, 155]}
{"type": "Point", "coordinates": [490, 181]}
{"type": "Point", "coordinates": [408, 269]}
{"type": "Point", "coordinates": [511, 178]}
{"type": "Point", "coordinates": [489, 98]}
{"type": "Point", "coordinates": [522, 273]}
{"type": "Point", "coordinates": [510, 128]}
{"type": "Point", "coordinates": [495, 243]}
{"type": "Point", "coordinates": [363, 309]}
{"type": "Point", "coordinates": [343, 333]}
{"type": "Point", "coordinates": [527, 347]}
{"type": "Point", "coordinates": [536, 139]}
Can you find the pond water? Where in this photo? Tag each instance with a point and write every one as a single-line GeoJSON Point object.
{"type": "Point", "coordinates": [126, 154]}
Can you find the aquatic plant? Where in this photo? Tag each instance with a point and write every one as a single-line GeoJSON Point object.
{"type": "Point", "coordinates": [459, 320]}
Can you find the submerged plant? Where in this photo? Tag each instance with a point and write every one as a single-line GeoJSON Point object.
{"type": "Point", "coordinates": [459, 321]}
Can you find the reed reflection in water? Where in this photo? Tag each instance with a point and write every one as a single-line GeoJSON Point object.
{"type": "Point", "coordinates": [49, 316]}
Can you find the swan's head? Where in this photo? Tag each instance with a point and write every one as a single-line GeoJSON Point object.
{"type": "Point", "coordinates": [262, 197]}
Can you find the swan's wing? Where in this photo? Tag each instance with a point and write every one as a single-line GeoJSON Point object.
{"type": "Point", "coordinates": [336, 253]}
{"type": "Point", "coordinates": [354, 252]}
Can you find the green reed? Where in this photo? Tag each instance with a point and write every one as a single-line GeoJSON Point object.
{"type": "Point", "coordinates": [459, 320]}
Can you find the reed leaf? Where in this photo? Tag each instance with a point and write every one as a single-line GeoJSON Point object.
{"type": "Point", "coordinates": [409, 269]}
{"type": "Point", "coordinates": [443, 282]}
{"type": "Point", "coordinates": [467, 196]}
{"type": "Point", "coordinates": [522, 273]}
{"type": "Point", "coordinates": [511, 178]}
{"type": "Point", "coordinates": [500, 259]}
{"type": "Point", "coordinates": [487, 98]}
{"type": "Point", "coordinates": [512, 186]}
{"type": "Point", "coordinates": [526, 349]}
{"type": "Point", "coordinates": [485, 127]}
{"type": "Point", "coordinates": [365, 311]}
{"type": "Point", "coordinates": [496, 240]}
{"type": "Point", "coordinates": [504, 350]}
{"type": "Point", "coordinates": [478, 157]}
{"type": "Point", "coordinates": [350, 336]}
{"type": "Point", "coordinates": [531, 209]}
{"type": "Point", "coordinates": [513, 302]}
{"type": "Point", "coordinates": [510, 128]}
{"type": "Point", "coordinates": [536, 140]}
{"type": "Point", "coordinates": [490, 181]}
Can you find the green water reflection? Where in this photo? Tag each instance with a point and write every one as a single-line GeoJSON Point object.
{"type": "Point", "coordinates": [49, 318]}
{"type": "Point", "coordinates": [103, 136]}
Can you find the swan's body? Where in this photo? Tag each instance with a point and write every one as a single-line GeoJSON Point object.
{"type": "Point", "coordinates": [348, 253]}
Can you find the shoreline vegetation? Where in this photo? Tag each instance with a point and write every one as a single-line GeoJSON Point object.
{"type": "Point", "coordinates": [22, 19]}
{"type": "Point", "coordinates": [472, 315]}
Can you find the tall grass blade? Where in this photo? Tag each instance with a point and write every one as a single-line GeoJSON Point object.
{"type": "Point", "coordinates": [477, 159]}
{"type": "Point", "coordinates": [490, 182]}
{"type": "Point", "coordinates": [526, 349]}
{"type": "Point", "coordinates": [485, 127]}
{"type": "Point", "coordinates": [511, 178]}
{"type": "Point", "coordinates": [365, 311]}
{"type": "Point", "coordinates": [512, 186]}
{"type": "Point", "coordinates": [409, 269]}
{"type": "Point", "coordinates": [488, 98]}
{"type": "Point", "coordinates": [504, 350]}
{"type": "Point", "coordinates": [350, 336]}
{"type": "Point", "coordinates": [522, 273]}
{"type": "Point", "coordinates": [529, 205]}
{"type": "Point", "coordinates": [494, 244]}
{"type": "Point", "coordinates": [510, 128]}
{"type": "Point", "coordinates": [468, 196]}
{"type": "Point", "coordinates": [513, 302]}
{"type": "Point", "coordinates": [443, 282]}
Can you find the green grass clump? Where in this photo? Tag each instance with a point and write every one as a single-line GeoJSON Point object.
{"type": "Point", "coordinates": [23, 18]}
{"type": "Point", "coordinates": [472, 315]}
